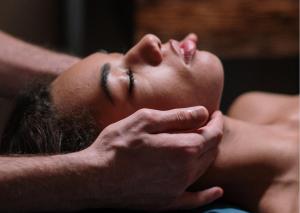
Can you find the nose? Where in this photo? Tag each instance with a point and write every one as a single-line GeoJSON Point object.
{"type": "Point", "coordinates": [147, 50]}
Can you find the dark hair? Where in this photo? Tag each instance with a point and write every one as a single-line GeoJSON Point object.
{"type": "Point", "coordinates": [35, 126]}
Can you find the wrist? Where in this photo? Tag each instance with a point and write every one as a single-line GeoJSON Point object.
{"type": "Point", "coordinates": [93, 181]}
{"type": "Point", "coordinates": [74, 177]}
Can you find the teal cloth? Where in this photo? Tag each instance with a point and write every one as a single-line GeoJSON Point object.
{"type": "Point", "coordinates": [222, 208]}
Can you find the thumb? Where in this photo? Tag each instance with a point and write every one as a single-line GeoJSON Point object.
{"type": "Point", "coordinates": [191, 200]}
{"type": "Point", "coordinates": [178, 119]}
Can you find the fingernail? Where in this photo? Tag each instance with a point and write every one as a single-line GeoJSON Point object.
{"type": "Point", "coordinates": [197, 111]}
{"type": "Point", "coordinates": [219, 193]}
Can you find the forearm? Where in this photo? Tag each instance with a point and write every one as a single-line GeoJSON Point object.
{"type": "Point", "coordinates": [20, 62]}
{"type": "Point", "coordinates": [43, 183]}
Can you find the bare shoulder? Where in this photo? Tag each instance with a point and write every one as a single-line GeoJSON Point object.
{"type": "Point", "coordinates": [265, 108]}
{"type": "Point", "coordinates": [281, 144]}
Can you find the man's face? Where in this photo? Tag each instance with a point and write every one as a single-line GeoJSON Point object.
{"type": "Point", "coordinates": [150, 75]}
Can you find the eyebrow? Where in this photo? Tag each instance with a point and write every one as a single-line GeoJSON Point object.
{"type": "Point", "coordinates": [105, 69]}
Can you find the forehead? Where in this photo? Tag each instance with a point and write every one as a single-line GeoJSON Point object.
{"type": "Point", "coordinates": [79, 85]}
{"type": "Point", "coordinates": [108, 57]}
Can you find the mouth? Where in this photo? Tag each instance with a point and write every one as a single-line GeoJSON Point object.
{"type": "Point", "coordinates": [185, 49]}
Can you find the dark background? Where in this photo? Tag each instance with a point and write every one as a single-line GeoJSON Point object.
{"type": "Point", "coordinates": [83, 27]}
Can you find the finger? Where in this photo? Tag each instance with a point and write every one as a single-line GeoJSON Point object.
{"type": "Point", "coordinates": [216, 119]}
{"type": "Point", "coordinates": [189, 142]}
{"type": "Point", "coordinates": [212, 132]}
{"type": "Point", "coordinates": [175, 119]}
{"type": "Point", "coordinates": [185, 148]}
{"type": "Point", "coordinates": [204, 162]}
{"type": "Point", "coordinates": [156, 121]}
{"type": "Point", "coordinates": [198, 166]}
{"type": "Point", "coordinates": [191, 200]}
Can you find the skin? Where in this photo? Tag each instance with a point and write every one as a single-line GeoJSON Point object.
{"type": "Point", "coordinates": [105, 175]}
{"type": "Point", "coordinates": [158, 71]}
{"type": "Point", "coordinates": [257, 163]}
{"type": "Point", "coordinates": [20, 63]}
{"type": "Point", "coordinates": [147, 134]}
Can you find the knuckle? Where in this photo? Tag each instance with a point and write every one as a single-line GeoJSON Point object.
{"type": "Point", "coordinates": [147, 118]}
{"type": "Point", "coordinates": [218, 135]}
{"type": "Point", "coordinates": [191, 151]}
{"type": "Point", "coordinates": [182, 116]}
{"type": "Point", "coordinates": [146, 114]}
{"type": "Point", "coordinates": [145, 139]}
{"type": "Point", "coordinates": [136, 139]}
{"type": "Point", "coordinates": [190, 115]}
{"type": "Point", "coordinates": [110, 132]}
{"type": "Point", "coordinates": [195, 146]}
{"type": "Point", "coordinates": [201, 147]}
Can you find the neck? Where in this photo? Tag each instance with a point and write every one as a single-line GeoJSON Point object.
{"type": "Point", "coordinates": [242, 166]}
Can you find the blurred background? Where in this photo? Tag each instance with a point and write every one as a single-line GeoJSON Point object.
{"type": "Point", "coordinates": [258, 41]}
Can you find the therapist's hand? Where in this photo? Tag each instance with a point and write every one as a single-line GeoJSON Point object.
{"type": "Point", "coordinates": [148, 160]}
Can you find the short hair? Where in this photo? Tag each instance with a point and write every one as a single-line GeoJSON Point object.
{"type": "Point", "coordinates": [36, 127]}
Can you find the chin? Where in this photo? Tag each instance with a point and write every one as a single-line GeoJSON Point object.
{"type": "Point", "coordinates": [209, 68]}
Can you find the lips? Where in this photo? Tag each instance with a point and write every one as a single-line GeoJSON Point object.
{"type": "Point", "coordinates": [186, 49]}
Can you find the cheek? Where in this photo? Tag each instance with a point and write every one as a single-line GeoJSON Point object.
{"type": "Point", "coordinates": [107, 116]}
{"type": "Point", "coordinates": [209, 72]}
{"type": "Point", "coordinates": [163, 92]}
{"type": "Point", "coordinates": [107, 113]}
{"type": "Point", "coordinates": [209, 67]}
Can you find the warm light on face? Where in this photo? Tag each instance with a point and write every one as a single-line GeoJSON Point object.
{"type": "Point", "coordinates": [150, 75]}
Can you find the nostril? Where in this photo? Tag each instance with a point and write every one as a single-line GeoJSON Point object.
{"type": "Point", "coordinates": [159, 44]}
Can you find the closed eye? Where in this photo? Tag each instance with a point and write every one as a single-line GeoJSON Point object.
{"type": "Point", "coordinates": [131, 82]}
